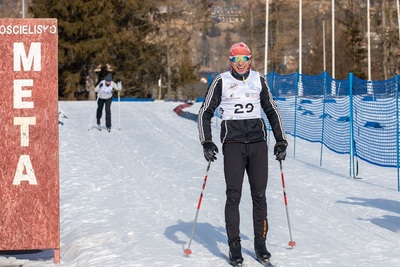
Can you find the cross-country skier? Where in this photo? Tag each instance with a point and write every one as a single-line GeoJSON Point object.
{"type": "Point", "coordinates": [241, 95]}
{"type": "Point", "coordinates": [104, 89]}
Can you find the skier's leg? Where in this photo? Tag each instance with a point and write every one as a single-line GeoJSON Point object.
{"type": "Point", "coordinates": [257, 171]}
{"type": "Point", "coordinates": [100, 104]}
{"type": "Point", "coordinates": [234, 166]}
{"type": "Point", "coordinates": [108, 112]}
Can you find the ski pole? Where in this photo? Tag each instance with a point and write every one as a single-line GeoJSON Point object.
{"type": "Point", "coordinates": [119, 110]}
{"type": "Point", "coordinates": [188, 251]}
{"type": "Point", "coordinates": [291, 242]}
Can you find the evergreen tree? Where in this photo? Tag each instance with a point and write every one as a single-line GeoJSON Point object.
{"type": "Point", "coordinates": [94, 33]}
{"type": "Point", "coordinates": [83, 37]}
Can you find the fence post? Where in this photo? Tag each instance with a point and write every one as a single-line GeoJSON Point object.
{"type": "Point", "coordinates": [351, 125]}
{"type": "Point", "coordinates": [397, 131]}
{"type": "Point", "coordinates": [296, 90]}
{"type": "Point", "coordinates": [323, 120]}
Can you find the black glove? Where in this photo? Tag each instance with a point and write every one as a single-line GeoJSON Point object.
{"type": "Point", "coordinates": [101, 85]}
{"type": "Point", "coordinates": [280, 150]}
{"type": "Point", "coordinates": [210, 150]}
{"type": "Point", "coordinates": [118, 80]}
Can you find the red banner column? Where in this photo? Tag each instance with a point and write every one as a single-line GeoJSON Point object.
{"type": "Point", "coordinates": [29, 176]}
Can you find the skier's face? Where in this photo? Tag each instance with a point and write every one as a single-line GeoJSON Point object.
{"type": "Point", "coordinates": [241, 64]}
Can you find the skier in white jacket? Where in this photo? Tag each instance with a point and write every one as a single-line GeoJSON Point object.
{"type": "Point", "coordinates": [104, 91]}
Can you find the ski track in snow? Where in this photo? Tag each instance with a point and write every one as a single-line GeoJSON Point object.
{"type": "Point", "coordinates": [129, 197]}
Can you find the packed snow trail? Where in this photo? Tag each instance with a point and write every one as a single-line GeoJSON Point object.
{"type": "Point", "coordinates": [129, 197]}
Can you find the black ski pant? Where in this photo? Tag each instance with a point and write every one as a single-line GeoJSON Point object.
{"type": "Point", "coordinates": [100, 104]}
{"type": "Point", "coordinates": [252, 158]}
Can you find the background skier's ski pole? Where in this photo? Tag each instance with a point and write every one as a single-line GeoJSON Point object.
{"type": "Point", "coordinates": [291, 242]}
{"type": "Point", "coordinates": [119, 110]}
{"type": "Point", "coordinates": [188, 251]}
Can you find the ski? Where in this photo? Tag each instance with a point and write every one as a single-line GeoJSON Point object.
{"type": "Point", "coordinates": [94, 127]}
{"type": "Point", "coordinates": [265, 262]}
{"type": "Point", "coordinates": [236, 263]}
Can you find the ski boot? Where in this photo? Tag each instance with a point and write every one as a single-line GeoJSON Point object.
{"type": "Point", "coordinates": [235, 253]}
{"type": "Point", "coordinates": [262, 254]}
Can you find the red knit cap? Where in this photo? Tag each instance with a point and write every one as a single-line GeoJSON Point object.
{"type": "Point", "coordinates": [239, 49]}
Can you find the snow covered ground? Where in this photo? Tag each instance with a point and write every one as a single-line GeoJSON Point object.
{"type": "Point", "coordinates": [129, 197]}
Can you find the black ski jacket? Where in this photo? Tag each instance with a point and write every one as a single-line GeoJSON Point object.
{"type": "Point", "coordinates": [243, 131]}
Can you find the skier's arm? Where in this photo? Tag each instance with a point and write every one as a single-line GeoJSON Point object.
{"type": "Point", "coordinates": [206, 112]}
{"type": "Point", "coordinates": [118, 85]}
{"type": "Point", "coordinates": [98, 87]}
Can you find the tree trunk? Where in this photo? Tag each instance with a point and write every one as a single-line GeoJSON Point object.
{"type": "Point", "coordinates": [91, 80]}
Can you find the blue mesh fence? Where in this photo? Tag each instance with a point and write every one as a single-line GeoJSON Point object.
{"type": "Point", "coordinates": [351, 116]}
